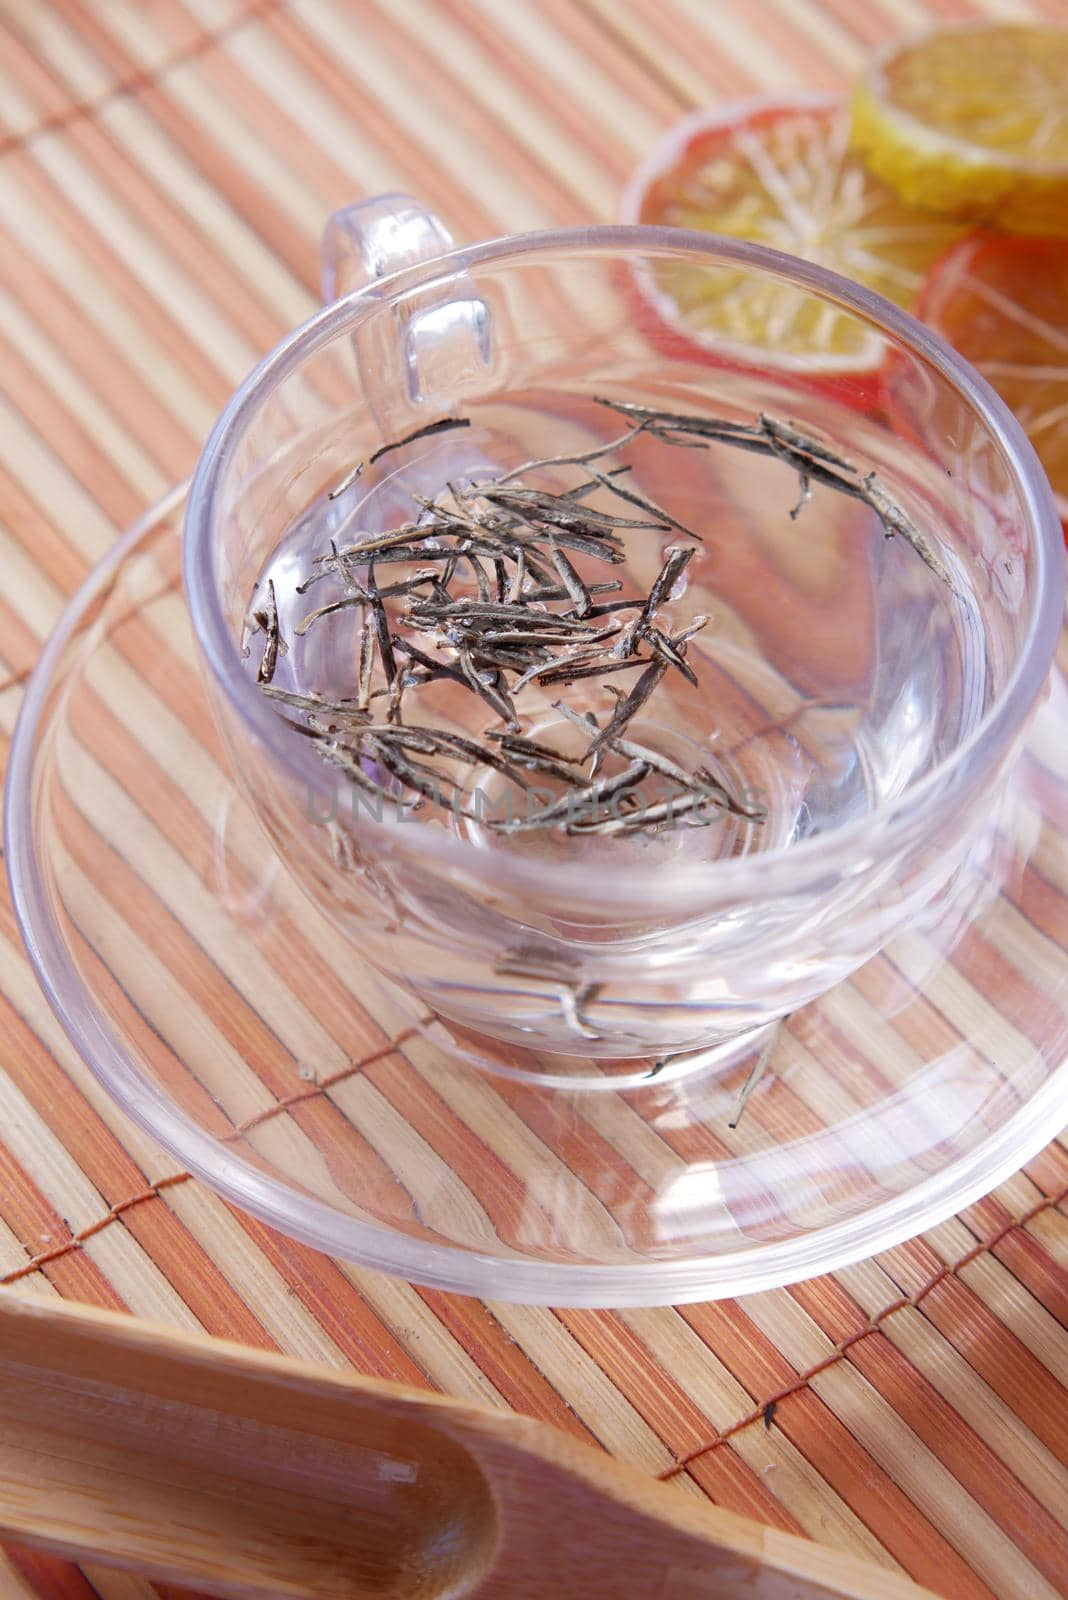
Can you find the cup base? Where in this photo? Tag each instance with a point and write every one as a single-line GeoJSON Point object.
{"type": "Point", "coordinates": [465, 1049]}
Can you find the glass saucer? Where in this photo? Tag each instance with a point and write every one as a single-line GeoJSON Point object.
{"type": "Point", "coordinates": [231, 1020]}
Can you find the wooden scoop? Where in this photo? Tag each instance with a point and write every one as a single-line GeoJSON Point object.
{"type": "Point", "coordinates": [247, 1474]}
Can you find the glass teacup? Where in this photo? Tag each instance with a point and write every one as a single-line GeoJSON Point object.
{"type": "Point", "coordinates": [853, 700]}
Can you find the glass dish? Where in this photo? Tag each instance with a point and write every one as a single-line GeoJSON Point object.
{"type": "Point", "coordinates": [231, 1019]}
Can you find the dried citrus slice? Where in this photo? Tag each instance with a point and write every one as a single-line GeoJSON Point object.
{"type": "Point", "coordinates": [781, 173]}
{"type": "Point", "coordinates": [1003, 302]}
{"type": "Point", "coordinates": [972, 121]}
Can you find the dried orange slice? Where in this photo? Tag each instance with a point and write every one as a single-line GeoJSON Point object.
{"type": "Point", "coordinates": [780, 173]}
{"type": "Point", "coordinates": [1003, 303]}
{"type": "Point", "coordinates": [972, 121]}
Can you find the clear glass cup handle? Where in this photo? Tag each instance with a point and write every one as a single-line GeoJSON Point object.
{"type": "Point", "coordinates": [375, 237]}
{"type": "Point", "coordinates": [441, 335]}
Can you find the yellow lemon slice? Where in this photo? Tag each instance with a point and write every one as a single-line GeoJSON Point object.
{"type": "Point", "coordinates": [973, 122]}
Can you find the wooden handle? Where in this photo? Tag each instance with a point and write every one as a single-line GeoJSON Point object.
{"type": "Point", "coordinates": [248, 1474]}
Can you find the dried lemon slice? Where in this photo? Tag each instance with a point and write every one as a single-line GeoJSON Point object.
{"type": "Point", "coordinates": [973, 122]}
{"type": "Point", "coordinates": [780, 173]}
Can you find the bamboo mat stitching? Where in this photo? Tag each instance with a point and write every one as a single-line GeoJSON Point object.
{"type": "Point", "coordinates": [153, 1190]}
{"type": "Point", "coordinates": [139, 80]}
{"type": "Point", "coordinates": [762, 1412]}
{"type": "Point", "coordinates": [15, 679]}
{"type": "Point", "coordinates": [905, 1302]}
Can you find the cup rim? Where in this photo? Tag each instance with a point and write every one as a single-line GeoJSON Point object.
{"type": "Point", "coordinates": [789, 865]}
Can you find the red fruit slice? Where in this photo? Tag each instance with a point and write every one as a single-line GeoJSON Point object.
{"type": "Point", "coordinates": [1003, 303]}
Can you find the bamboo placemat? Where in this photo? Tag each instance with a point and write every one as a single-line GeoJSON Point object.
{"type": "Point", "coordinates": [165, 170]}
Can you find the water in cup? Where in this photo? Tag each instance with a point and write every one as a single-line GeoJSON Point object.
{"type": "Point", "coordinates": [827, 667]}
